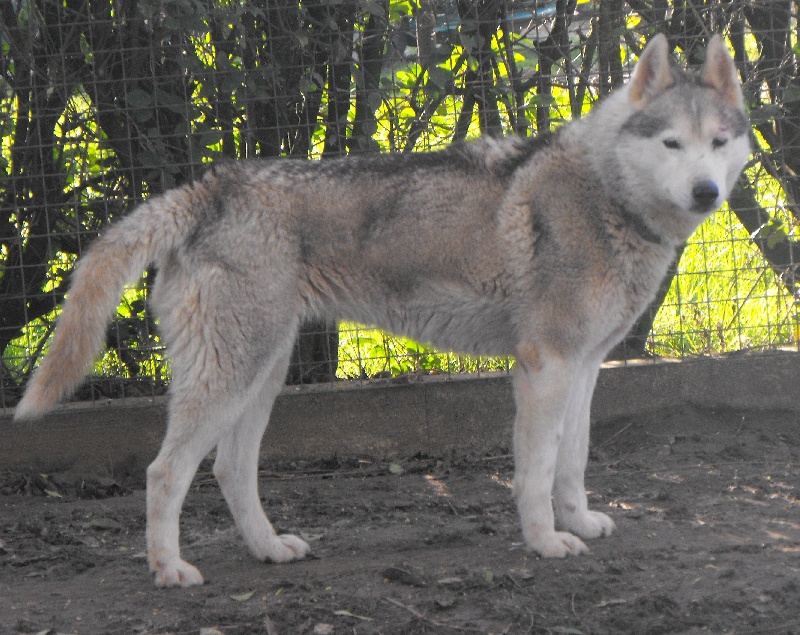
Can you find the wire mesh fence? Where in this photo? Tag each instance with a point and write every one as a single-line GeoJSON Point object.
{"type": "Point", "coordinates": [105, 102]}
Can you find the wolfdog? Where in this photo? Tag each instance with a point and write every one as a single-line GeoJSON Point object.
{"type": "Point", "coordinates": [544, 248]}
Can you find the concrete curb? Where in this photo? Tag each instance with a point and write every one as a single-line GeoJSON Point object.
{"type": "Point", "coordinates": [430, 416]}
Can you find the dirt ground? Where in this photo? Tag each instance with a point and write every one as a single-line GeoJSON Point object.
{"type": "Point", "coordinates": [707, 506]}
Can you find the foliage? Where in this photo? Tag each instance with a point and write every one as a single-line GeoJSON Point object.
{"type": "Point", "coordinates": [725, 297]}
{"type": "Point", "coordinates": [103, 102]}
{"type": "Point", "coordinates": [369, 353]}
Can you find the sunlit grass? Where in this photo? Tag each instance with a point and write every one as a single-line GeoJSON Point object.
{"type": "Point", "coordinates": [366, 352]}
{"type": "Point", "coordinates": [725, 297]}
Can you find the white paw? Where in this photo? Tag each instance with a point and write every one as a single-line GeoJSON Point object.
{"type": "Point", "coordinates": [176, 573]}
{"type": "Point", "coordinates": [587, 524]}
{"type": "Point", "coordinates": [285, 548]}
{"type": "Point", "coordinates": [555, 544]}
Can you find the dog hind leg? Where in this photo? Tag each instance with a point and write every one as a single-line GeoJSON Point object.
{"type": "Point", "coordinates": [224, 353]}
{"type": "Point", "coordinates": [236, 470]}
{"type": "Point", "coordinates": [192, 432]}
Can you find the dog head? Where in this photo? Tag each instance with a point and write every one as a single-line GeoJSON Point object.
{"type": "Point", "coordinates": [682, 138]}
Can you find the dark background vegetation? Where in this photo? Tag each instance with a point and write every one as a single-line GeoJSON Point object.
{"type": "Point", "coordinates": [104, 102]}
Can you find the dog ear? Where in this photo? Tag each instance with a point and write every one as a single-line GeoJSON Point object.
{"type": "Point", "coordinates": [652, 75]}
{"type": "Point", "coordinates": [719, 72]}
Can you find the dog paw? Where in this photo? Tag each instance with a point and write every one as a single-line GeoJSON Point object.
{"type": "Point", "coordinates": [178, 573]}
{"type": "Point", "coordinates": [588, 524]}
{"type": "Point", "coordinates": [286, 547]}
{"type": "Point", "coordinates": [556, 544]}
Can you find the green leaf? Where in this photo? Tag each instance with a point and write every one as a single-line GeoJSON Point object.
{"type": "Point", "coordinates": [438, 76]}
{"type": "Point", "coordinates": [243, 597]}
{"type": "Point", "coordinates": [399, 9]}
{"type": "Point", "coordinates": [138, 98]}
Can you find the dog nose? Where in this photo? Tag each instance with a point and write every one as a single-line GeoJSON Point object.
{"type": "Point", "coordinates": [705, 194]}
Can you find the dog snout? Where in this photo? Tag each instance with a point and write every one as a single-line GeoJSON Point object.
{"type": "Point", "coordinates": [705, 195]}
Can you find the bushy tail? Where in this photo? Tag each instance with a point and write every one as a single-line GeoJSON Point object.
{"type": "Point", "coordinates": [114, 260]}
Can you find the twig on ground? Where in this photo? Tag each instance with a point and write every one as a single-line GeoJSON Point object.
{"type": "Point", "coordinates": [421, 616]}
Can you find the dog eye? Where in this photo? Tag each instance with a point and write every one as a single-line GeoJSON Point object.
{"type": "Point", "coordinates": [718, 142]}
{"type": "Point", "coordinates": [672, 144]}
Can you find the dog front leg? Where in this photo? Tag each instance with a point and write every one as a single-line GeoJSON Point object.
{"type": "Point", "coordinates": [542, 387]}
{"type": "Point", "coordinates": [569, 493]}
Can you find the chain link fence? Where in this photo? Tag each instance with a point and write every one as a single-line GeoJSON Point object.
{"type": "Point", "coordinates": [105, 102]}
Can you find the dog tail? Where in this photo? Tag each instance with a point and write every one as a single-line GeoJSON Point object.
{"type": "Point", "coordinates": [117, 258]}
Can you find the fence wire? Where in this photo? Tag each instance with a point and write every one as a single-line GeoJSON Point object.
{"type": "Point", "coordinates": [105, 102]}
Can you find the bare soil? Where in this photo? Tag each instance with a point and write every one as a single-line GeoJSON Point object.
{"type": "Point", "coordinates": [707, 505]}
